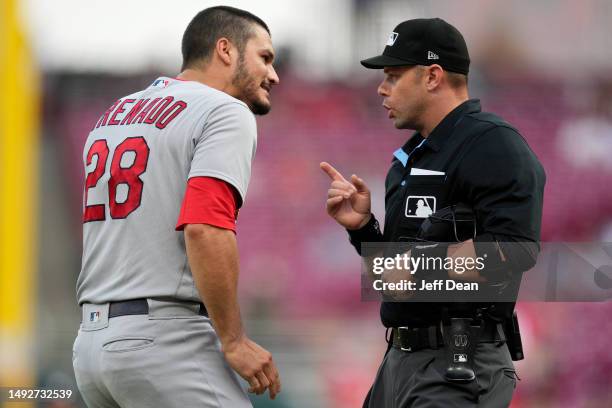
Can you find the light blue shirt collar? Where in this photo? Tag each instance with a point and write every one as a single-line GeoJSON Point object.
{"type": "Point", "coordinates": [403, 157]}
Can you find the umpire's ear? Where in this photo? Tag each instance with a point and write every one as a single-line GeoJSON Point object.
{"type": "Point", "coordinates": [433, 75]}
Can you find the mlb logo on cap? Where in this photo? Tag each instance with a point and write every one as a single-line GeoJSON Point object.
{"type": "Point", "coordinates": [94, 316]}
{"type": "Point", "coordinates": [392, 38]}
{"type": "Point", "coordinates": [420, 206]}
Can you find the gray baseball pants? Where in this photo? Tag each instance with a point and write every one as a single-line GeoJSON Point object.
{"type": "Point", "coordinates": [168, 358]}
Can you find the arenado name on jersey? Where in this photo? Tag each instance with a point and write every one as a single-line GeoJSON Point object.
{"type": "Point", "coordinates": [158, 111]}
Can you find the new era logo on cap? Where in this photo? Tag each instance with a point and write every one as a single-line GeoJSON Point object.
{"type": "Point", "coordinates": [392, 37]}
{"type": "Point", "coordinates": [432, 55]}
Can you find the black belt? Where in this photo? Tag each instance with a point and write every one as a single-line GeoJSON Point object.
{"type": "Point", "coordinates": [418, 338]}
{"type": "Point", "coordinates": [138, 307]}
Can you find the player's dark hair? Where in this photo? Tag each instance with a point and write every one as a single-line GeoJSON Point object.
{"type": "Point", "coordinates": [202, 33]}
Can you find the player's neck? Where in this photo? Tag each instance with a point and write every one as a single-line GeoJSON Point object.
{"type": "Point", "coordinates": [208, 78]}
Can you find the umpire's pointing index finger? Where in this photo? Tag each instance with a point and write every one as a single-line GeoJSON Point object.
{"type": "Point", "coordinates": [331, 171]}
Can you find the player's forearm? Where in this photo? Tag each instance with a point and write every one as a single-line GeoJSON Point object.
{"type": "Point", "coordinates": [213, 258]}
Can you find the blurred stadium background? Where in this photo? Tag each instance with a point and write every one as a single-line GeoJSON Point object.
{"type": "Point", "coordinates": [545, 66]}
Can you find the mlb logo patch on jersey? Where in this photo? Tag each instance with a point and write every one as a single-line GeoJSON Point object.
{"type": "Point", "coordinates": [160, 83]}
{"type": "Point", "coordinates": [94, 316]}
{"type": "Point", "coordinates": [420, 206]}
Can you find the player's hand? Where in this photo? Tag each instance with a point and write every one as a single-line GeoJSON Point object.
{"type": "Point", "coordinates": [253, 363]}
{"type": "Point", "coordinates": [348, 203]}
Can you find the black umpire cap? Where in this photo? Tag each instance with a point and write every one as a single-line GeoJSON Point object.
{"type": "Point", "coordinates": [424, 41]}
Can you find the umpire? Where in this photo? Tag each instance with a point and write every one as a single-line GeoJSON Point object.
{"type": "Point", "coordinates": [459, 158]}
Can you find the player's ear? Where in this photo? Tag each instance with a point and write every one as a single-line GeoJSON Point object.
{"type": "Point", "coordinates": [224, 49]}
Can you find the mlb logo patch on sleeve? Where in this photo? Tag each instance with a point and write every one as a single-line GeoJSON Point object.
{"type": "Point", "coordinates": [420, 206]}
{"type": "Point", "coordinates": [94, 316]}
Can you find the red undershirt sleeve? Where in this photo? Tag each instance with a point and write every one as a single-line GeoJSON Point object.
{"type": "Point", "coordinates": [208, 200]}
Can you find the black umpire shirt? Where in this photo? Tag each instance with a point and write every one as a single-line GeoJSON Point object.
{"type": "Point", "coordinates": [483, 162]}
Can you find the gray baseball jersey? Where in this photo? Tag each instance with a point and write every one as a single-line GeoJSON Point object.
{"type": "Point", "coordinates": [138, 158]}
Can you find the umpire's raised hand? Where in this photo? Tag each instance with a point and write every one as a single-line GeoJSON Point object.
{"type": "Point", "coordinates": [348, 202]}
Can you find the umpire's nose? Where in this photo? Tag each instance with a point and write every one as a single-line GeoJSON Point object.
{"type": "Point", "coordinates": [383, 89]}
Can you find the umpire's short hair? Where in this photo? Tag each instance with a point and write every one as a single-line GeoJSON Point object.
{"type": "Point", "coordinates": [202, 33]}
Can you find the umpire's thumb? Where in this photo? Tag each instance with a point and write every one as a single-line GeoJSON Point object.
{"type": "Point", "coordinates": [359, 184]}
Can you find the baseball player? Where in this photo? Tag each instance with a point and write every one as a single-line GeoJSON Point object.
{"type": "Point", "coordinates": [167, 169]}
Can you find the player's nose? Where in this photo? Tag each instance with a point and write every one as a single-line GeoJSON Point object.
{"type": "Point", "coordinates": [273, 76]}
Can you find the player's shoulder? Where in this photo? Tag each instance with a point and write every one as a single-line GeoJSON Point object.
{"type": "Point", "coordinates": [197, 92]}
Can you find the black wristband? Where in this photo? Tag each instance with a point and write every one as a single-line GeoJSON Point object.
{"type": "Point", "coordinates": [368, 233]}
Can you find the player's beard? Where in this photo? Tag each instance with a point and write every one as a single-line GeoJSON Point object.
{"type": "Point", "coordinates": [249, 88]}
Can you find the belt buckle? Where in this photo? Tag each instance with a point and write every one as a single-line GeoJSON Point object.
{"type": "Point", "coordinates": [399, 334]}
